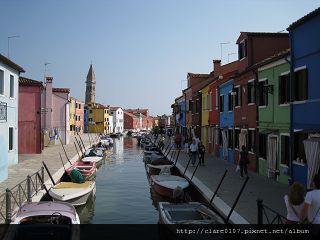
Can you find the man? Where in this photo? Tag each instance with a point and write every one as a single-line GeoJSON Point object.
{"type": "Point", "coordinates": [194, 151]}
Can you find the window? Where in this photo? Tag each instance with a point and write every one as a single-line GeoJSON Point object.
{"type": "Point", "coordinates": [251, 93]}
{"type": "Point", "coordinates": [230, 102]}
{"type": "Point", "coordinates": [11, 86]}
{"type": "Point", "coordinates": [217, 99]}
{"type": "Point", "coordinates": [285, 151]}
{"type": "Point", "coordinates": [251, 140]}
{"type": "Point", "coordinates": [236, 138]}
{"type": "Point", "coordinates": [230, 138]}
{"type": "Point", "coordinates": [301, 85]}
{"type": "Point", "coordinates": [90, 119]}
{"type": "Point", "coordinates": [190, 106]}
{"type": "Point", "coordinates": [299, 153]}
{"type": "Point", "coordinates": [210, 101]}
{"type": "Point", "coordinates": [90, 111]}
{"type": "Point", "coordinates": [237, 96]}
{"type": "Point", "coordinates": [197, 106]}
{"type": "Point", "coordinates": [263, 146]}
{"type": "Point", "coordinates": [284, 89]}
{"type": "Point", "coordinates": [1, 82]}
{"type": "Point", "coordinates": [263, 93]}
{"type": "Point", "coordinates": [242, 49]}
{"type": "Point", "coordinates": [10, 138]}
{"type": "Point", "coordinates": [221, 103]}
{"type": "Point", "coordinates": [220, 137]}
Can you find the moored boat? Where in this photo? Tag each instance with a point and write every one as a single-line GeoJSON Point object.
{"type": "Point", "coordinates": [165, 184]}
{"type": "Point", "coordinates": [75, 193]}
{"type": "Point", "coordinates": [88, 170]}
{"type": "Point", "coordinates": [156, 169]}
{"type": "Point", "coordinates": [97, 160]}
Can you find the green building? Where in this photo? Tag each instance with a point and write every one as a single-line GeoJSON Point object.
{"type": "Point", "coordinates": [274, 117]}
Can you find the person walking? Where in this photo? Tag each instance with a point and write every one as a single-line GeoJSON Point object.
{"type": "Point", "coordinates": [194, 151]}
{"type": "Point", "coordinates": [294, 201]}
{"type": "Point", "coordinates": [243, 161]}
{"type": "Point", "coordinates": [201, 153]}
{"type": "Point", "coordinates": [311, 208]}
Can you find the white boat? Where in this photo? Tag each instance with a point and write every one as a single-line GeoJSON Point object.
{"type": "Point", "coordinates": [75, 193]}
{"type": "Point", "coordinates": [47, 212]}
{"type": "Point", "coordinates": [156, 169]}
{"type": "Point", "coordinates": [45, 220]}
{"type": "Point", "coordinates": [187, 213]}
{"type": "Point", "coordinates": [97, 160]}
{"type": "Point", "coordinates": [165, 184]}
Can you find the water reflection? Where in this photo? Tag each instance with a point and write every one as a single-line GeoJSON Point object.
{"type": "Point", "coordinates": [86, 212]}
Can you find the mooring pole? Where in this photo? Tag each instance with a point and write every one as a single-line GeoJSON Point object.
{"type": "Point", "coordinates": [216, 191]}
{"type": "Point", "coordinates": [175, 162]}
{"type": "Point", "coordinates": [51, 178]}
{"type": "Point", "coordinates": [187, 166]}
{"type": "Point", "coordinates": [29, 197]}
{"type": "Point", "coordinates": [76, 149]}
{"type": "Point", "coordinates": [237, 199]}
{"type": "Point", "coordinates": [194, 172]}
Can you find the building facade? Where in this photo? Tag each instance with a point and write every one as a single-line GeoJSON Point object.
{"type": "Point", "coordinates": [9, 99]}
{"type": "Point", "coordinates": [117, 113]}
{"type": "Point", "coordinates": [98, 118]}
{"type": "Point", "coordinates": [30, 134]}
{"type": "Point", "coordinates": [76, 115]}
{"type": "Point", "coordinates": [305, 96]}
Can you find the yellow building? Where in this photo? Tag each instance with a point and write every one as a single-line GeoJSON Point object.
{"type": "Point", "coordinates": [206, 107]}
{"type": "Point", "coordinates": [72, 113]}
{"type": "Point", "coordinates": [98, 118]}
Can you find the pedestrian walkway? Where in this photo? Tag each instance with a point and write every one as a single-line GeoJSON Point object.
{"type": "Point", "coordinates": [208, 177]}
{"type": "Point", "coordinates": [30, 163]}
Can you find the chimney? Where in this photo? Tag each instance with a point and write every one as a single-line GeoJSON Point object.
{"type": "Point", "coordinates": [217, 67]}
{"type": "Point", "coordinates": [48, 105]}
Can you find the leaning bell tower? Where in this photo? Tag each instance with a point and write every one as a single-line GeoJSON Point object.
{"type": "Point", "coordinates": [90, 86]}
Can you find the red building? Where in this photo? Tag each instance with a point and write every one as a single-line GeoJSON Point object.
{"type": "Point", "coordinates": [30, 137]}
{"type": "Point", "coordinates": [252, 48]}
{"type": "Point", "coordinates": [130, 121]}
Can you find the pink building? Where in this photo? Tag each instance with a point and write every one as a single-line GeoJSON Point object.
{"type": "Point", "coordinates": [30, 137]}
{"type": "Point", "coordinates": [55, 112]}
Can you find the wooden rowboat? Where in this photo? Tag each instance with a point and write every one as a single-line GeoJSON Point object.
{"type": "Point", "coordinates": [165, 184]}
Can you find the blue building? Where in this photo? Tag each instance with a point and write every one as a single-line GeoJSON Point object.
{"type": "Point", "coordinates": [86, 120]}
{"type": "Point", "coordinates": [305, 96]}
{"type": "Point", "coordinates": [226, 107]}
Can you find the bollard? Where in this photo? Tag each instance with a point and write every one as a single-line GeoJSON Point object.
{"type": "Point", "coordinates": [260, 211]}
{"type": "Point", "coordinates": [8, 206]}
{"type": "Point", "coordinates": [29, 197]}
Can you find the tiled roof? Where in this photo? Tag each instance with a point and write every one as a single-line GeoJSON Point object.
{"type": "Point", "coordinates": [302, 20]}
{"type": "Point", "coordinates": [114, 108]}
{"type": "Point", "coordinates": [262, 34]}
{"type": "Point", "coordinates": [11, 64]}
{"type": "Point", "coordinates": [198, 75]}
{"type": "Point", "coordinates": [129, 114]}
{"type": "Point", "coordinates": [272, 58]}
{"type": "Point", "coordinates": [64, 90]}
{"type": "Point", "coordinates": [23, 81]}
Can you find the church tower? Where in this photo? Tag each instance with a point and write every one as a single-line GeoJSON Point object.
{"type": "Point", "coordinates": [90, 86]}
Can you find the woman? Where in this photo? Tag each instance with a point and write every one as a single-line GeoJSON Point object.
{"type": "Point", "coordinates": [294, 202]}
{"type": "Point", "coordinates": [243, 161]}
{"type": "Point", "coordinates": [194, 151]}
{"type": "Point", "coordinates": [201, 153]}
{"type": "Point", "coordinates": [311, 208]}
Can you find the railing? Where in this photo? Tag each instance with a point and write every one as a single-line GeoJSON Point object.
{"type": "Point", "coordinates": [24, 191]}
{"type": "Point", "coordinates": [268, 214]}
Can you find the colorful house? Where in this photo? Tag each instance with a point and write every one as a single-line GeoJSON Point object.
{"type": "Point", "coordinates": [205, 109]}
{"type": "Point", "coordinates": [305, 107]}
{"type": "Point", "coordinates": [9, 78]}
{"type": "Point", "coordinates": [226, 106]}
{"type": "Point", "coordinates": [30, 134]}
{"type": "Point", "coordinates": [86, 118]}
{"type": "Point", "coordinates": [76, 116]}
{"type": "Point", "coordinates": [117, 113]}
{"type": "Point", "coordinates": [131, 121]}
{"type": "Point", "coordinates": [98, 118]}
{"type": "Point", "coordinates": [252, 48]}
{"type": "Point", "coordinates": [274, 117]}
{"type": "Point", "coordinates": [180, 115]}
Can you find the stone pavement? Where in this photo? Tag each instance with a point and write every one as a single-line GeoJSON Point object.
{"type": "Point", "coordinates": [30, 163]}
{"type": "Point", "coordinates": [207, 179]}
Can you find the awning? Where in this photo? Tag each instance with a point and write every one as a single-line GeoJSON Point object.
{"type": "Point", "coordinates": [268, 131]}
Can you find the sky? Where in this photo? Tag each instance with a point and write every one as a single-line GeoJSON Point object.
{"type": "Point", "coordinates": [141, 50]}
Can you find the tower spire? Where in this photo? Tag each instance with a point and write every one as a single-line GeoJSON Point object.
{"type": "Point", "coordinates": [90, 86]}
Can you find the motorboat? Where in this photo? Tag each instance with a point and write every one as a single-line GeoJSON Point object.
{"type": "Point", "coordinates": [156, 166]}
{"type": "Point", "coordinates": [187, 213]}
{"type": "Point", "coordinates": [75, 193]}
{"type": "Point", "coordinates": [45, 220]}
{"type": "Point", "coordinates": [88, 170]}
{"type": "Point", "coordinates": [165, 184]}
{"type": "Point", "coordinates": [97, 160]}
{"type": "Point", "coordinates": [46, 212]}
{"type": "Point", "coordinates": [94, 152]}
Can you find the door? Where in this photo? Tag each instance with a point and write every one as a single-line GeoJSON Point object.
{"type": "Point", "coordinates": [27, 137]}
{"type": "Point", "coordinates": [272, 156]}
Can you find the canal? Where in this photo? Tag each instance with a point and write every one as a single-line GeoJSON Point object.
{"type": "Point", "coordinates": [123, 194]}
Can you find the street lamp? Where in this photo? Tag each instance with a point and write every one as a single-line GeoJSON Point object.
{"type": "Point", "coordinates": [15, 36]}
{"type": "Point", "coordinates": [222, 43]}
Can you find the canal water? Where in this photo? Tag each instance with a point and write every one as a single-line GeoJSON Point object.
{"type": "Point", "coordinates": [123, 194]}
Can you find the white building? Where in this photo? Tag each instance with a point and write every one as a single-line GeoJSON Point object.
{"type": "Point", "coordinates": [9, 92]}
{"type": "Point", "coordinates": [117, 113]}
{"type": "Point", "coordinates": [110, 124]}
